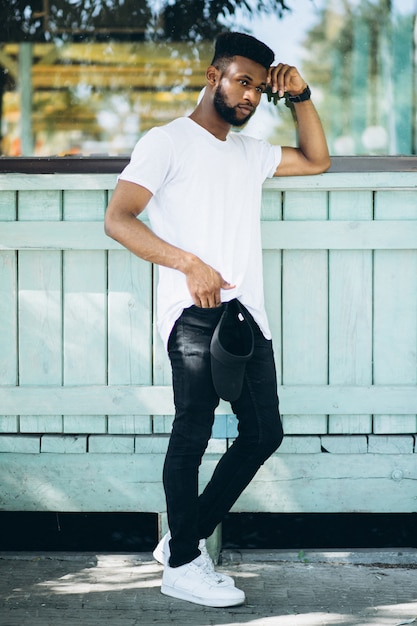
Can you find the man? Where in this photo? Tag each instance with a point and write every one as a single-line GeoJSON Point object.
{"type": "Point", "coordinates": [202, 187]}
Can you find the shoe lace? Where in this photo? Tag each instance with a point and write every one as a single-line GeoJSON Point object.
{"type": "Point", "coordinates": [208, 563]}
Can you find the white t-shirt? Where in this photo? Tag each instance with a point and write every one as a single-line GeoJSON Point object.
{"type": "Point", "coordinates": [206, 200]}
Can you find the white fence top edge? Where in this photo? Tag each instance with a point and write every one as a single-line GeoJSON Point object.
{"type": "Point", "coordinates": [351, 181]}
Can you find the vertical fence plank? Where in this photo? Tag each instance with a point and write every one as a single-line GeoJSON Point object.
{"type": "Point", "coordinates": [8, 317]}
{"type": "Point", "coordinates": [8, 205]}
{"type": "Point", "coordinates": [39, 306]}
{"type": "Point", "coordinates": [161, 424]}
{"type": "Point", "coordinates": [272, 270]}
{"type": "Point", "coordinates": [161, 366]}
{"type": "Point", "coordinates": [395, 326]}
{"type": "Point", "coordinates": [40, 330]}
{"type": "Point", "coordinates": [39, 205]}
{"type": "Point", "coordinates": [272, 260]}
{"type": "Point", "coordinates": [8, 307]}
{"type": "Point", "coordinates": [305, 311]}
{"type": "Point", "coordinates": [8, 298]}
{"type": "Point", "coordinates": [129, 331]}
{"type": "Point", "coordinates": [84, 319]}
{"type": "Point", "coordinates": [350, 314]}
{"type": "Point", "coordinates": [40, 318]}
{"type": "Point", "coordinates": [130, 319]}
{"type": "Point", "coordinates": [84, 204]}
{"type": "Point", "coordinates": [85, 308]}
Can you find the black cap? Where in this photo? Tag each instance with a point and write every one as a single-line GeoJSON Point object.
{"type": "Point", "coordinates": [233, 44]}
{"type": "Point", "coordinates": [231, 347]}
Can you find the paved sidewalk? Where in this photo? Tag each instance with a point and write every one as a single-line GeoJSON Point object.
{"type": "Point", "coordinates": [362, 588]}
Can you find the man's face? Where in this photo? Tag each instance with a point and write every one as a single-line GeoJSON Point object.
{"type": "Point", "coordinates": [239, 90]}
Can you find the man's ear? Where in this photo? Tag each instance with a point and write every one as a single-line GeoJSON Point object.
{"type": "Point", "coordinates": [212, 75]}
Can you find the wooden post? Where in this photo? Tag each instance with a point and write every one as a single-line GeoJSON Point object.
{"type": "Point", "coordinates": [25, 82]}
{"type": "Point", "coordinates": [386, 104]}
{"type": "Point", "coordinates": [402, 51]}
{"type": "Point", "coordinates": [360, 78]}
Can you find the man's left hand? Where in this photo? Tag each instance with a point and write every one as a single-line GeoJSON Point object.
{"type": "Point", "coordinates": [283, 78]}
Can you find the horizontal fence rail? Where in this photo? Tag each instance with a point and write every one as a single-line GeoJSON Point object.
{"type": "Point", "coordinates": [157, 400]}
{"type": "Point", "coordinates": [342, 235]}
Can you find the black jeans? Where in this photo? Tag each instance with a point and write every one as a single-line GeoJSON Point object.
{"type": "Point", "coordinates": [190, 516]}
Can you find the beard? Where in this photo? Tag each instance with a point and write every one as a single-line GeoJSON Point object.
{"type": "Point", "coordinates": [227, 112]}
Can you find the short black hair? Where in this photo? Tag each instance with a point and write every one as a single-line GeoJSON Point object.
{"type": "Point", "coordinates": [233, 44]}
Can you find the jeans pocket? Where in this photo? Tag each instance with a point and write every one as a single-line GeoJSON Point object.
{"type": "Point", "coordinates": [204, 316]}
{"type": "Point", "coordinates": [205, 310]}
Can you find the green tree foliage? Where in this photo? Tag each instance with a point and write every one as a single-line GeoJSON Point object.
{"type": "Point", "coordinates": [18, 20]}
{"type": "Point", "coordinates": [181, 20]}
{"type": "Point", "coordinates": [199, 19]}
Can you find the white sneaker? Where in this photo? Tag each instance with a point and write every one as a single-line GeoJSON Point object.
{"type": "Point", "coordinates": [162, 554]}
{"type": "Point", "coordinates": [196, 583]}
{"type": "Point", "coordinates": [162, 551]}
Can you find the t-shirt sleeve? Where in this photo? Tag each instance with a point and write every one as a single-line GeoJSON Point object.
{"type": "Point", "coordinates": [150, 162]}
{"type": "Point", "coordinates": [274, 156]}
{"type": "Point", "coordinates": [268, 155]}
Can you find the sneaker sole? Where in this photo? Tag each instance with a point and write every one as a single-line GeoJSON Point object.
{"type": "Point", "coordinates": [188, 597]}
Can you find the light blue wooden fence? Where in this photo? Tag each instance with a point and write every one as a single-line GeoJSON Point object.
{"type": "Point", "coordinates": [85, 397]}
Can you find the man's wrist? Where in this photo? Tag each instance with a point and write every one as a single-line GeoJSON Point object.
{"type": "Point", "coordinates": [186, 262]}
{"type": "Point", "coordinates": [301, 96]}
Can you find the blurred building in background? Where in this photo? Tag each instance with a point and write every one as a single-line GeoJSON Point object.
{"type": "Point", "coordinates": [91, 77]}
